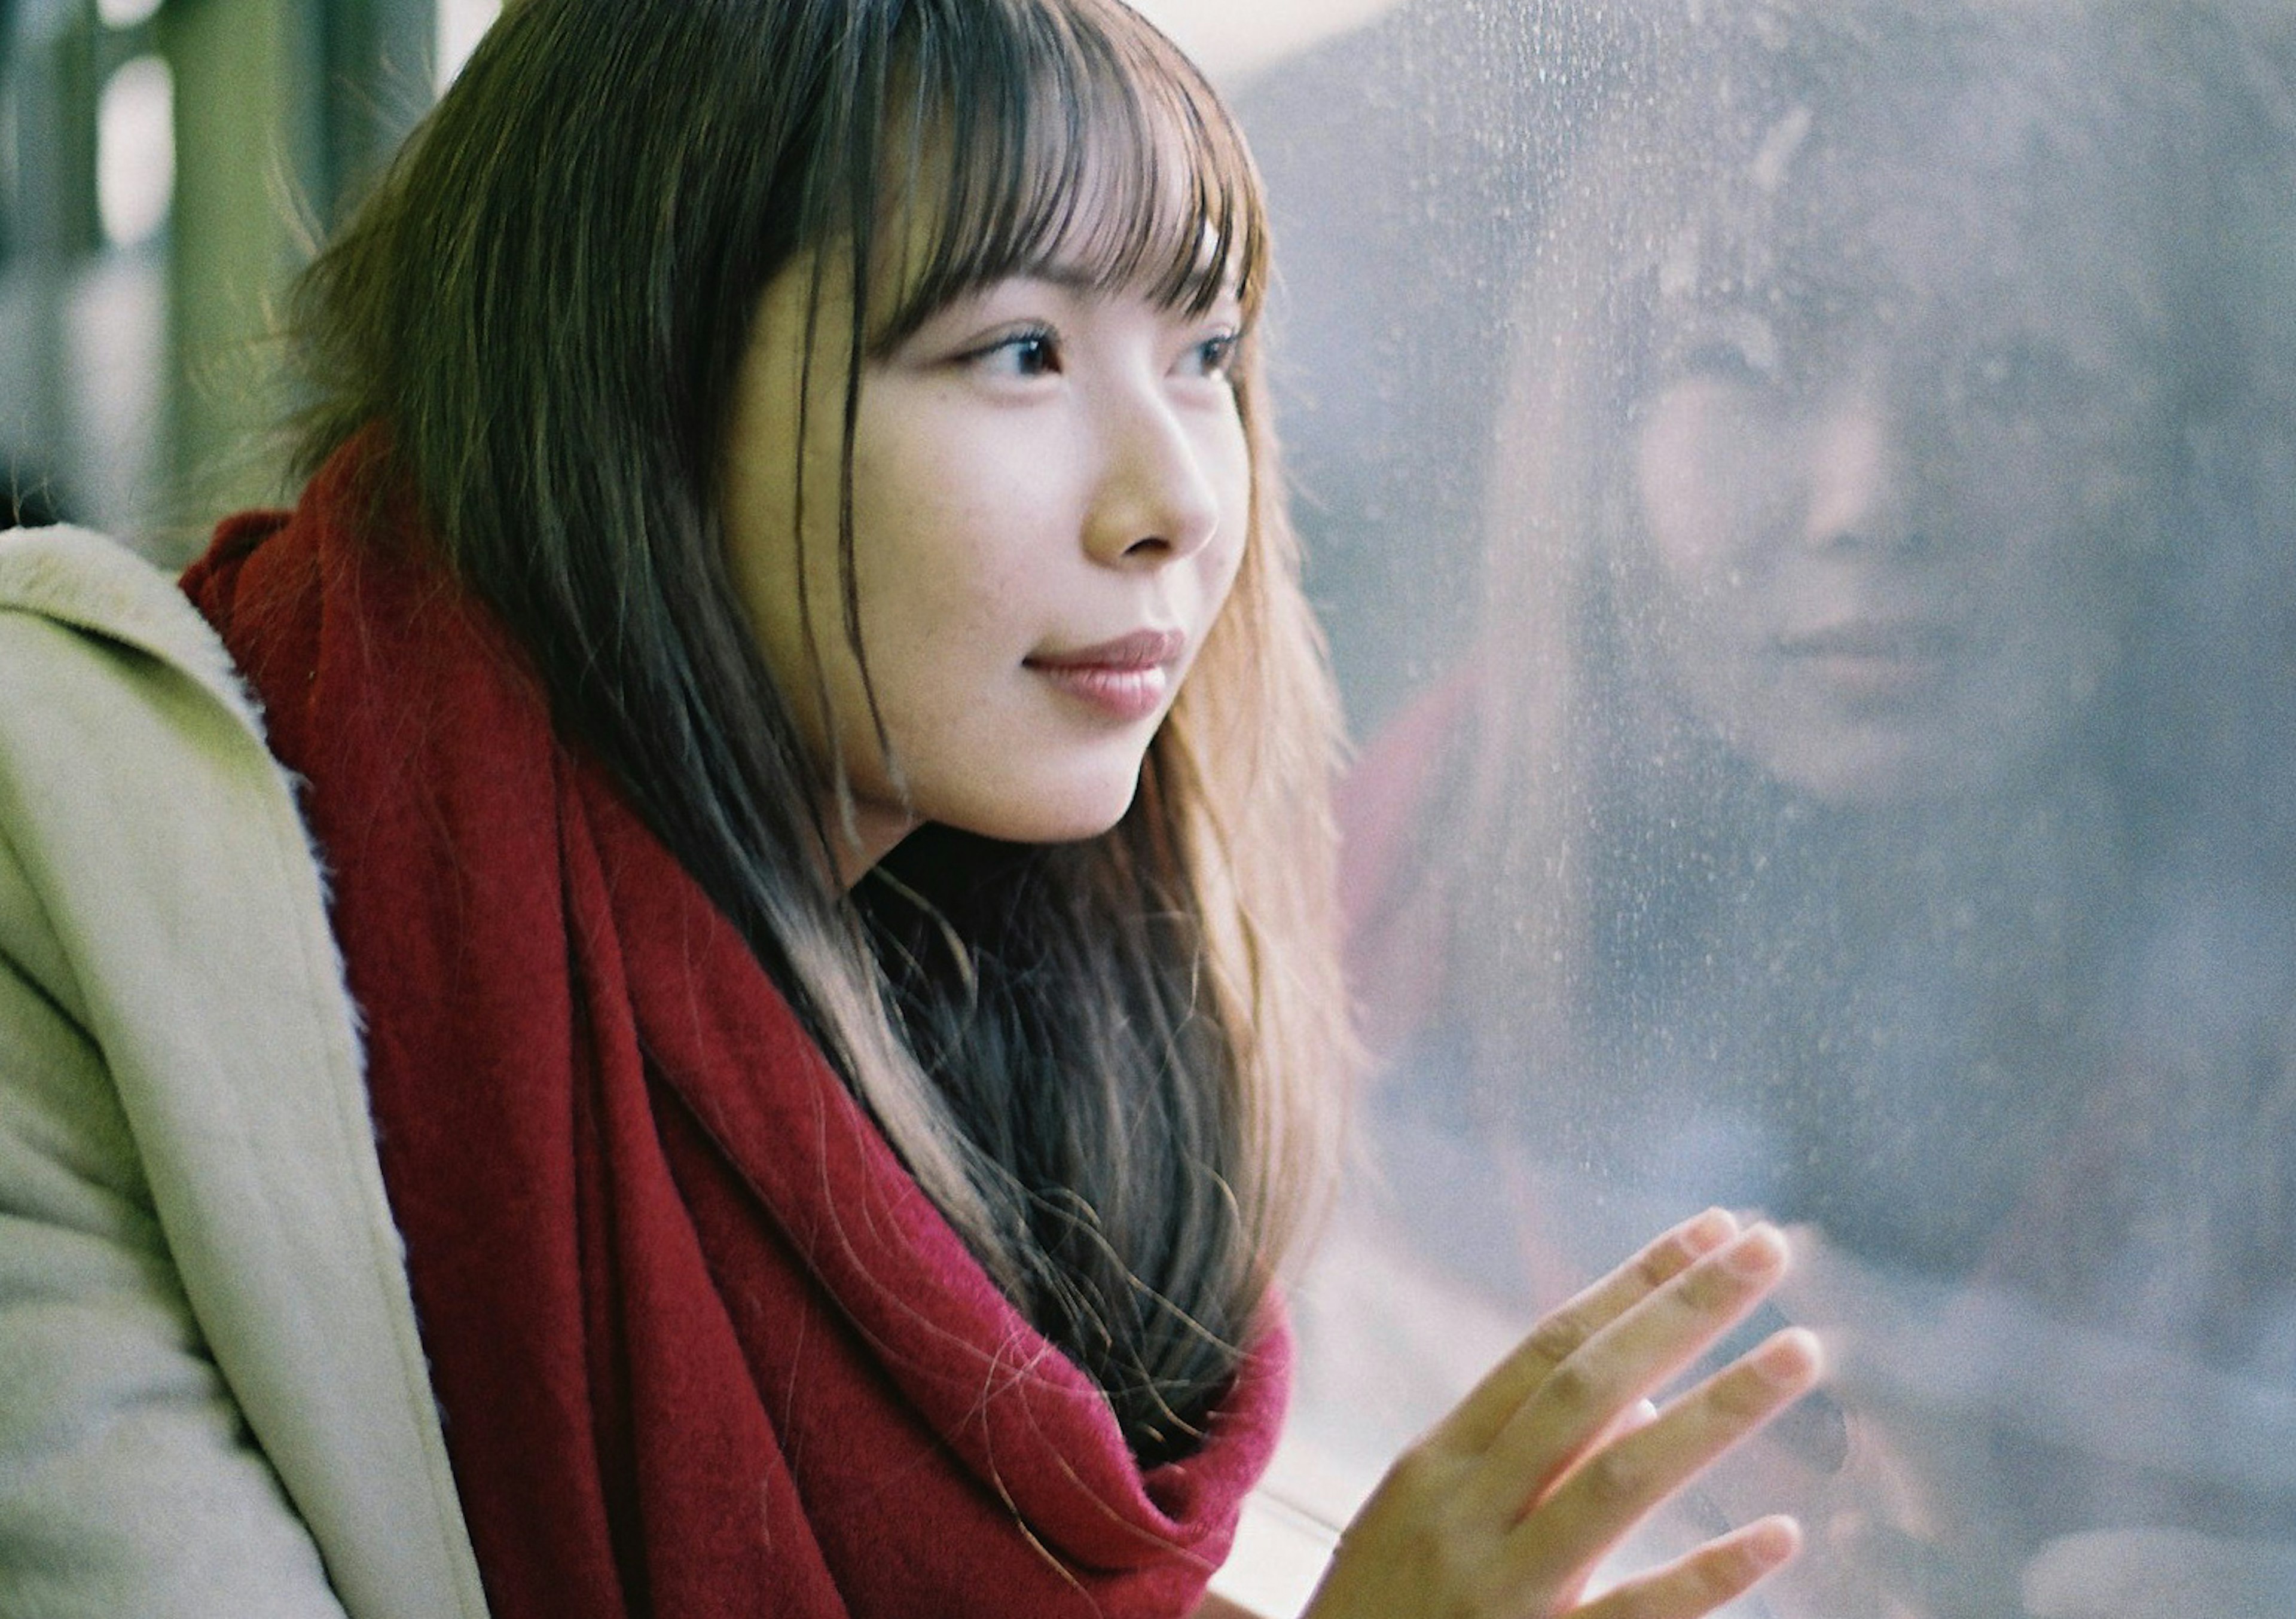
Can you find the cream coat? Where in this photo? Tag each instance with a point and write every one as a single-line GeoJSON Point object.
{"type": "Point", "coordinates": [212, 1398]}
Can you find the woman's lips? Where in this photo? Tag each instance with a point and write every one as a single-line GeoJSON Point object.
{"type": "Point", "coordinates": [1879, 662]}
{"type": "Point", "coordinates": [1127, 679]}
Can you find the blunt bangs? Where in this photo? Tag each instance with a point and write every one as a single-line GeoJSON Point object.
{"type": "Point", "coordinates": [1073, 143]}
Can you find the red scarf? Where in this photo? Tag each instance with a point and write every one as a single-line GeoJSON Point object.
{"type": "Point", "coordinates": [703, 1345]}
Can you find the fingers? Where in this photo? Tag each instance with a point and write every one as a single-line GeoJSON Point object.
{"type": "Point", "coordinates": [1640, 1415]}
{"type": "Point", "coordinates": [1509, 1503]}
{"type": "Point", "coordinates": [1600, 1501]}
{"type": "Point", "coordinates": [1721, 1571]}
{"type": "Point", "coordinates": [1652, 1340]}
{"type": "Point", "coordinates": [1478, 1420]}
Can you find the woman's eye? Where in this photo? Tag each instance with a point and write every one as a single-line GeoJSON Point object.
{"type": "Point", "coordinates": [1214, 356]}
{"type": "Point", "coordinates": [1034, 353]}
{"type": "Point", "coordinates": [1737, 346]}
{"type": "Point", "coordinates": [1737, 364]}
{"type": "Point", "coordinates": [2020, 377]}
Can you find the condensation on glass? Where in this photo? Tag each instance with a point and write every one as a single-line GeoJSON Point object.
{"type": "Point", "coordinates": [1801, 495]}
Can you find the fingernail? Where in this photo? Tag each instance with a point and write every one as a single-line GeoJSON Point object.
{"type": "Point", "coordinates": [1709, 1231]}
{"type": "Point", "coordinates": [1760, 1252]}
{"type": "Point", "coordinates": [1773, 1539]}
{"type": "Point", "coordinates": [1790, 1359]}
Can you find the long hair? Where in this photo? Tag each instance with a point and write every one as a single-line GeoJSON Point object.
{"type": "Point", "coordinates": [1106, 1060]}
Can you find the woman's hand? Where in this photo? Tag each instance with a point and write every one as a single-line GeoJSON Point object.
{"type": "Point", "coordinates": [1504, 1509]}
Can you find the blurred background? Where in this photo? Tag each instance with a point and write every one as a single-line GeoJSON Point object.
{"type": "Point", "coordinates": [162, 168]}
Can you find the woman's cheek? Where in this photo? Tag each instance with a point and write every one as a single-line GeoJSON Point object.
{"type": "Point", "coordinates": [1709, 485]}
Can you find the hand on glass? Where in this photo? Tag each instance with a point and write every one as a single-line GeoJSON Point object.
{"type": "Point", "coordinates": [1504, 1509]}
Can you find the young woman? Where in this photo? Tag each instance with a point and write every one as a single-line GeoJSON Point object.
{"type": "Point", "coordinates": [789, 659]}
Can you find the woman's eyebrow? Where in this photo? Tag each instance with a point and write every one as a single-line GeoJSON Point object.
{"type": "Point", "coordinates": [1072, 276]}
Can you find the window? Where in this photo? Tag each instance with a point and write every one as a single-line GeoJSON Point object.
{"type": "Point", "coordinates": [1799, 490]}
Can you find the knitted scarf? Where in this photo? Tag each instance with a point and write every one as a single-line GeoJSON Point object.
{"type": "Point", "coordinates": [703, 1345]}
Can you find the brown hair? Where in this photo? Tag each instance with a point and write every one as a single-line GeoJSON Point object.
{"type": "Point", "coordinates": [1105, 1061]}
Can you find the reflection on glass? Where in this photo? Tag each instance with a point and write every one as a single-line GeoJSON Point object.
{"type": "Point", "coordinates": [1839, 810]}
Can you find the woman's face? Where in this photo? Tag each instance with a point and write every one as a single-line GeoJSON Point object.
{"type": "Point", "coordinates": [1883, 490]}
{"type": "Point", "coordinates": [1051, 495]}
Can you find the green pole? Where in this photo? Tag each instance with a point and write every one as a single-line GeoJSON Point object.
{"type": "Point", "coordinates": [281, 106]}
{"type": "Point", "coordinates": [242, 161]}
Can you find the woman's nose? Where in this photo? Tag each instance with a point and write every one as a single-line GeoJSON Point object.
{"type": "Point", "coordinates": [1158, 499]}
{"type": "Point", "coordinates": [1860, 472]}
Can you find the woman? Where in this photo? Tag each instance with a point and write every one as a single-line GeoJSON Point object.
{"type": "Point", "coordinates": [1854, 460]}
{"type": "Point", "coordinates": [789, 656]}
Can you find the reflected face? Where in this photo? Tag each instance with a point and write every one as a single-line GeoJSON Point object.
{"type": "Point", "coordinates": [1051, 493]}
{"type": "Point", "coordinates": [1884, 495]}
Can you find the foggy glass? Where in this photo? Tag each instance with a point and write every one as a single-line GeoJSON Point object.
{"type": "Point", "coordinates": [1799, 495]}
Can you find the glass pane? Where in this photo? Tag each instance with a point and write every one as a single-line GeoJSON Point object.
{"type": "Point", "coordinates": [1800, 494]}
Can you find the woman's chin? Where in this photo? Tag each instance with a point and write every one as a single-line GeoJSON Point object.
{"type": "Point", "coordinates": [1050, 812]}
{"type": "Point", "coordinates": [1875, 769]}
